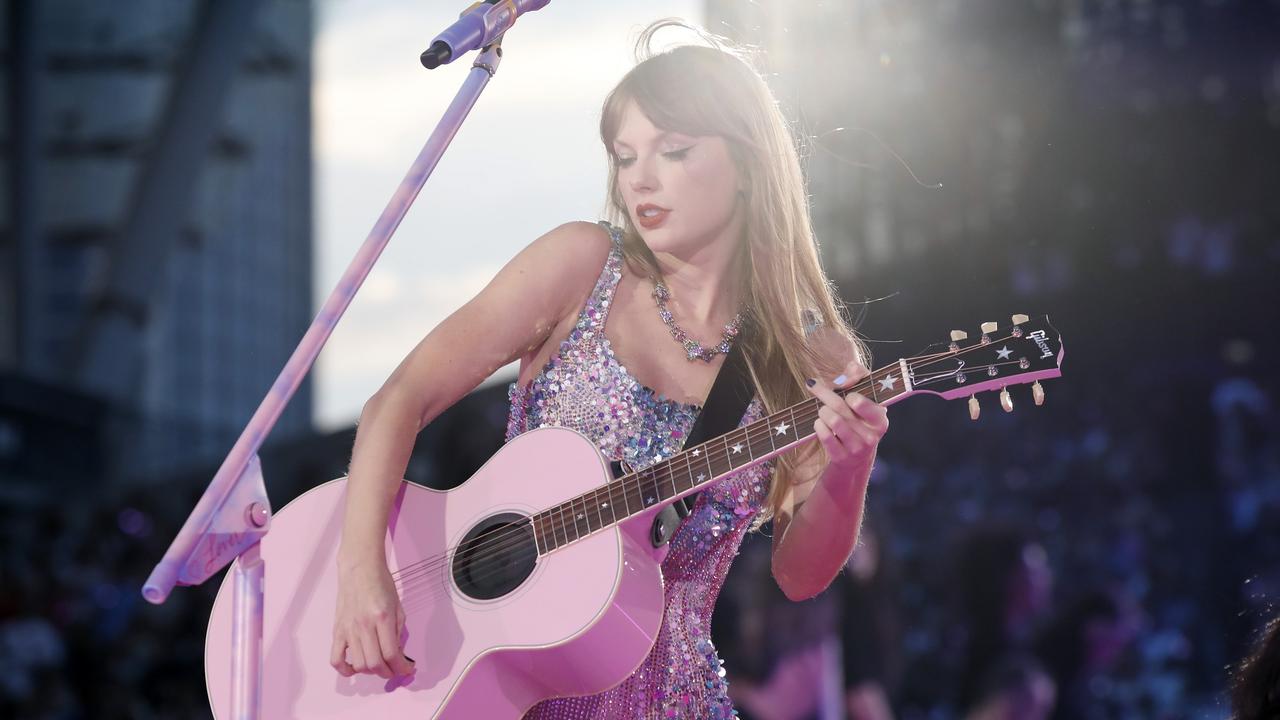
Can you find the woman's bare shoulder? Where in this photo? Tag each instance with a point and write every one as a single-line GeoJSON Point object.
{"type": "Point", "coordinates": [564, 262]}
{"type": "Point", "coordinates": [517, 310]}
{"type": "Point", "coordinates": [576, 249]}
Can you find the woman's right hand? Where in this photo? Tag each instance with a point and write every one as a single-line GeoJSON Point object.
{"type": "Point", "coordinates": [368, 623]}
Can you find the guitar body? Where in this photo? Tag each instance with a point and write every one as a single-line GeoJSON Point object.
{"type": "Point", "coordinates": [576, 622]}
{"type": "Point", "coordinates": [496, 625]}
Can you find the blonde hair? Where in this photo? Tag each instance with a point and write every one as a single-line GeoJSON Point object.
{"type": "Point", "coordinates": [714, 90]}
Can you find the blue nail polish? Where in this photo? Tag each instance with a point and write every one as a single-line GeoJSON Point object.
{"type": "Point", "coordinates": [810, 382]}
{"type": "Point", "coordinates": [841, 380]}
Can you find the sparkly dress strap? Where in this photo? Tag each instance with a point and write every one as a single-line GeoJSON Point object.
{"type": "Point", "coordinates": [596, 309]}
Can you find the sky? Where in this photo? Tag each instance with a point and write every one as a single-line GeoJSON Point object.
{"type": "Point", "coordinates": [526, 160]}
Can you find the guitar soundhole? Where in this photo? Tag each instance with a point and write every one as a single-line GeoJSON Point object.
{"type": "Point", "coordinates": [495, 556]}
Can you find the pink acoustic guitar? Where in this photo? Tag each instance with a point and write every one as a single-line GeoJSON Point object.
{"type": "Point", "coordinates": [536, 578]}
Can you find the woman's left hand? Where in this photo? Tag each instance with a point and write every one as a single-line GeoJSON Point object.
{"type": "Point", "coordinates": [849, 427]}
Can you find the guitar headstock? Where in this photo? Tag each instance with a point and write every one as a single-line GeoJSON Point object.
{"type": "Point", "coordinates": [1028, 351]}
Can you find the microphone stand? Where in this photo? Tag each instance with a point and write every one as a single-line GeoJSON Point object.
{"type": "Point", "coordinates": [233, 515]}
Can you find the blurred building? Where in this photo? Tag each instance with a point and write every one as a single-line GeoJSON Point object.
{"type": "Point", "coordinates": [155, 220]}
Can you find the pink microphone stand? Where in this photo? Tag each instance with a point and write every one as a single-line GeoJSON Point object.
{"type": "Point", "coordinates": [233, 514]}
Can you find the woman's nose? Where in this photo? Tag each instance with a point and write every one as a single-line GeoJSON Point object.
{"type": "Point", "coordinates": [643, 178]}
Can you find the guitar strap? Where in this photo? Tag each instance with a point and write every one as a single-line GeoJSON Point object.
{"type": "Point", "coordinates": [721, 413]}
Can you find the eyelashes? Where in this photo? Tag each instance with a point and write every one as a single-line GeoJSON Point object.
{"type": "Point", "coordinates": [670, 155]}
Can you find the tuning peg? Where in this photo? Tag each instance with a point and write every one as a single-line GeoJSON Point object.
{"type": "Point", "coordinates": [958, 335]}
{"type": "Point", "coordinates": [974, 410]}
{"type": "Point", "coordinates": [987, 329]}
{"type": "Point", "coordinates": [1006, 402]}
{"type": "Point", "coordinates": [1037, 393]}
{"type": "Point", "coordinates": [1019, 319]}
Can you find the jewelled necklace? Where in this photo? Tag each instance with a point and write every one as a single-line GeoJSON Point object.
{"type": "Point", "coordinates": [691, 347]}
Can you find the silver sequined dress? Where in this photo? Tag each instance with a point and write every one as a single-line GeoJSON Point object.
{"type": "Point", "coordinates": [586, 388]}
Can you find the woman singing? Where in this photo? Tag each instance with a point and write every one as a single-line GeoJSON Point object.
{"type": "Point", "coordinates": [620, 328]}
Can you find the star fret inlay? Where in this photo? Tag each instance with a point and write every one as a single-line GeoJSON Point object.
{"type": "Point", "coordinates": [782, 429]}
{"type": "Point", "coordinates": [888, 381]}
{"type": "Point", "coordinates": [737, 448]}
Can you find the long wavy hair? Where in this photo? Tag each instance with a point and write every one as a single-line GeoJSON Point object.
{"type": "Point", "coordinates": [714, 89]}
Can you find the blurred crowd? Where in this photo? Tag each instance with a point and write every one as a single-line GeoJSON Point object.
{"type": "Point", "coordinates": [1075, 565]}
{"type": "Point", "coordinates": [77, 640]}
{"type": "Point", "coordinates": [1092, 573]}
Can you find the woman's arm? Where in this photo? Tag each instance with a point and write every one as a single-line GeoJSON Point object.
{"type": "Point", "coordinates": [817, 526]}
{"type": "Point", "coordinates": [509, 319]}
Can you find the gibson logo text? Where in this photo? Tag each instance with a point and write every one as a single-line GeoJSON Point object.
{"type": "Point", "coordinates": [1039, 337]}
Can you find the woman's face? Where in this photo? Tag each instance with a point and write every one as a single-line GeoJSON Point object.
{"type": "Point", "coordinates": [681, 191]}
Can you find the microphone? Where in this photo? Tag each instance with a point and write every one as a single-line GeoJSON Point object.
{"type": "Point", "coordinates": [478, 26]}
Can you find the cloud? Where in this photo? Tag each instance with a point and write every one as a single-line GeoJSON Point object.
{"type": "Point", "coordinates": [527, 160]}
{"type": "Point", "coordinates": [391, 314]}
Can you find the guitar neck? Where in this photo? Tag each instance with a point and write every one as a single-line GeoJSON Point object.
{"type": "Point", "coordinates": [694, 468]}
{"type": "Point", "coordinates": [1028, 351]}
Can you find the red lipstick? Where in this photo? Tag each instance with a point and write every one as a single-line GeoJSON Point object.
{"type": "Point", "coordinates": [650, 216]}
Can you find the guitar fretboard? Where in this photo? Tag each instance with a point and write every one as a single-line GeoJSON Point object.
{"type": "Point", "coordinates": [692, 468]}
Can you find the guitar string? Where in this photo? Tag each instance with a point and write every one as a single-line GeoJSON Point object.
{"type": "Point", "coordinates": [658, 477]}
{"type": "Point", "coordinates": [514, 535]}
{"type": "Point", "coordinates": [496, 562]}
{"type": "Point", "coordinates": [515, 531]}
{"type": "Point", "coordinates": [493, 563]}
